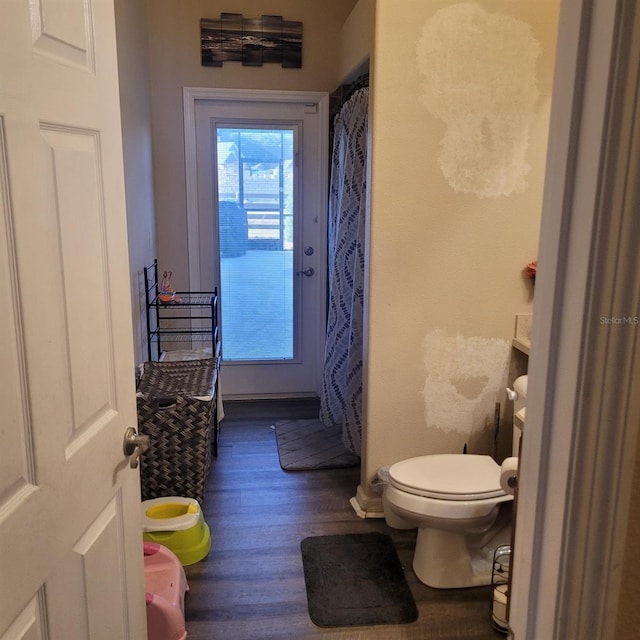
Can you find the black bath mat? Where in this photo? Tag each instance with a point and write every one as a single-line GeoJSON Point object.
{"type": "Point", "coordinates": [355, 579]}
{"type": "Point", "coordinates": [304, 445]}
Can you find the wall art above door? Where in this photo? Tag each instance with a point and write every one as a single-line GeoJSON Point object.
{"type": "Point", "coordinates": [252, 41]}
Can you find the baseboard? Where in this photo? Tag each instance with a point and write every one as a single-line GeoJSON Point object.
{"type": "Point", "coordinates": [367, 506]}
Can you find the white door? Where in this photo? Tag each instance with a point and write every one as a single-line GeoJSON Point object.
{"type": "Point", "coordinates": [261, 174]}
{"type": "Point", "coordinates": [70, 546]}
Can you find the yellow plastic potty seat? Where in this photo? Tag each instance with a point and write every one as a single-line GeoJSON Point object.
{"type": "Point", "coordinates": [178, 524]}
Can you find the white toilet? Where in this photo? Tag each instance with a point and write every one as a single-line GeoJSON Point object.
{"type": "Point", "coordinates": [461, 511]}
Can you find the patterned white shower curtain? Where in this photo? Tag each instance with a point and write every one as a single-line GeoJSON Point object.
{"type": "Point", "coordinates": [341, 400]}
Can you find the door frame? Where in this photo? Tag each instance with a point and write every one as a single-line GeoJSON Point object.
{"type": "Point", "coordinates": [314, 102]}
{"type": "Point", "coordinates": [583, 409]}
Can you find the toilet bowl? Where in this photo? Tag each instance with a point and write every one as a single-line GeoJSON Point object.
{"type": "Point", "coordinates": [461, 512]}
{"type": "Point", "coordinates": [178, 524]}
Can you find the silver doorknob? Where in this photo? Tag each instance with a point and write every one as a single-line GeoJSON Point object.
{"type": "Point", "coordinates": [309, 271]}
{"type": "Point", "coordinates": [134, 445]}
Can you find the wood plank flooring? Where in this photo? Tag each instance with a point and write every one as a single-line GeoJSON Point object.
{"type": "Point", "coordinates": [251, 585]}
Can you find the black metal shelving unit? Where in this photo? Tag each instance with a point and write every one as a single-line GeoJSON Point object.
{"type": "Point", "coordinates": [190, 317]}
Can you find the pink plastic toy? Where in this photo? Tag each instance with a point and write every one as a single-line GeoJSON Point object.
{"type": "Point", "coordinates": [165, 586]}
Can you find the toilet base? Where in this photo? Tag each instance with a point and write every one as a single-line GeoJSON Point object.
{"type": "Point", "coordinates": [448, 560]}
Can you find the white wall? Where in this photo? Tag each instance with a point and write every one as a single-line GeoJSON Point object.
{"type": "Point", "coordinates": [450, 235]}
{"type": "Point", "coordinates": [135, 105]}
{"type": "Point", "coordinates": [356, 39]}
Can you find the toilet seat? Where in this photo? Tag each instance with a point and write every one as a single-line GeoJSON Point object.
{"type": "Point", "coordinates": [448, 477]}
{"type": "Point", "coordinates": [159, 514]}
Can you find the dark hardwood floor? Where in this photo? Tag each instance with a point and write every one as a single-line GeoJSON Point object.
{"type": "Point", "coordinates": [251, 585]}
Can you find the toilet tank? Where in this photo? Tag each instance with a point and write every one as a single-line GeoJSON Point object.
{"type": "Point", "coordinates": [519, 397]}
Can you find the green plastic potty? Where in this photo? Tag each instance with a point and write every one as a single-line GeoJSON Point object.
{"type": "Point", "coordinates": [178, 524]}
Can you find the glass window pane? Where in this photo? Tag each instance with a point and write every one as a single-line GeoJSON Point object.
{"type": "Point", "coordinates": [255, 225]}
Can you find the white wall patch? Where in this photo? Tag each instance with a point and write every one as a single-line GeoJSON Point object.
{"type": "Point", "coordinates": [479, 73]}
{"type": "Point", "coordinates": [465, 377]}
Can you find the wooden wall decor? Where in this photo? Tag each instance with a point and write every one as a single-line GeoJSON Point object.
{"type": "Point", "coordinates": [252, 41]}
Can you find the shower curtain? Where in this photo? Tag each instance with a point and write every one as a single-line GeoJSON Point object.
{"type": "Point", "coordinates": [341, 400]}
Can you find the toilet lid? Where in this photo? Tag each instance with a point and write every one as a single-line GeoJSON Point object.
{"type": "Point", "coordinates": [448, 476]}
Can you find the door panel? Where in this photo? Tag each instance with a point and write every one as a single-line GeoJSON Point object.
{"type": "Point", "coordinates": [29, 624]}
{"type": "Point", "coordinates": [79, 219]}
{"type": "Point", "coordinates": [256, 373]}
{"type": "Point", "coordinates": [95, 560]}
{"type": "Point", "coordinates": [62, 30]}
{"type": "Point", "coordinates": [16, 460]}
{"type": "Point", "coordinates": [71, 563]}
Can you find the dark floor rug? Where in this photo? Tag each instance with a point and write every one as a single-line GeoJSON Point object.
{"type": "Point", "coordinates": [307, 444]}
{"type": "Point", "coordinates": [355, 579]}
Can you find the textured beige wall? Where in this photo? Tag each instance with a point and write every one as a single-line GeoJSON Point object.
{"type": "Point", "coordinates": [449, 239]}
{"type": "Point", "coordinates": [174, 54]}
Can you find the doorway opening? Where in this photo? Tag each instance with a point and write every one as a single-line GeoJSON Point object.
{"type": "Point", "coordinates": [257, 176]}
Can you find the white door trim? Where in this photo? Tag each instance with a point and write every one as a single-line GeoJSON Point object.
{"type": "Point", "coordinates": [580, 438]}
{"type": "Point", "coordinates": [190, 96]}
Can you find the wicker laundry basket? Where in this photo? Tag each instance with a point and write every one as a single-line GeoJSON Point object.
{"type": "Point", "coordinates": [176, 406]}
